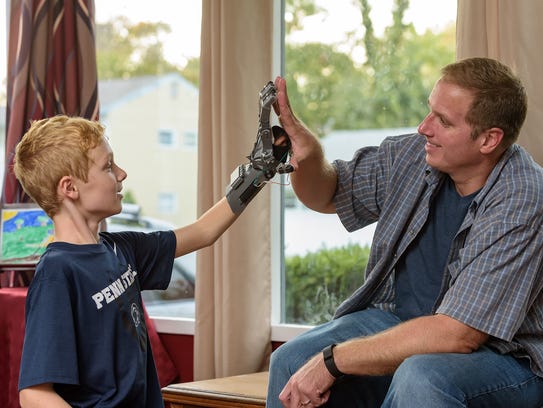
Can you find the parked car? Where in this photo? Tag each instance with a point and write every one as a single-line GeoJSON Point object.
{"type": "Point", "coordinates": [182, 284]}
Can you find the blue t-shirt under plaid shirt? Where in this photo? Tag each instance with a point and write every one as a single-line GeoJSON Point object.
{"type": "Point", "coordinates": [419, 272]}
{"type": "Point", "coordinates": [493, 277]}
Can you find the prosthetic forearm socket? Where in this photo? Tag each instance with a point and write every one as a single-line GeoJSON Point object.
{"type": "Point", "coordinates": [246, 182]}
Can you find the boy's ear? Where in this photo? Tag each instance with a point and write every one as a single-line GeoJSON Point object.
{"type": "Point", "coordinates": [67, 188]}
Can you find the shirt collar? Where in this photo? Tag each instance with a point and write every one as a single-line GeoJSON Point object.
{"type": "Point", "coordinates": [434, 177]}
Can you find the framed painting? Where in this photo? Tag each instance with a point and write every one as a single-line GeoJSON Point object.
{"type": "Point", "coordinates": [25, 232]}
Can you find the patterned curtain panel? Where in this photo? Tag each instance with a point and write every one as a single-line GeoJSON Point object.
{"type": "Point", "coordinates": [51, 70]}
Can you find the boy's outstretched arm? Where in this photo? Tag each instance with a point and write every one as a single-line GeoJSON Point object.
{"type": "Point", "coordinates": [206, 229]}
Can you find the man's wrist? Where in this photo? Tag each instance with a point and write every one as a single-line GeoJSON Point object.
{"type": "Point", "coordinates": [328, 355]}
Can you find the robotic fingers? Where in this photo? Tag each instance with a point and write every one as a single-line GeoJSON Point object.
{"type": "Point", "coordinates": [266, 159]}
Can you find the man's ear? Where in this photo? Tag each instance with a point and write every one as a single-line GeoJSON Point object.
{"type": "Point", "coordinates": [67, 188]}
{"type": "Point", "coordinates": [492, 139]}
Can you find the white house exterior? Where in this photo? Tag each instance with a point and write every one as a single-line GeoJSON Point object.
{"type": "Point", "coordinates": [152, 124]}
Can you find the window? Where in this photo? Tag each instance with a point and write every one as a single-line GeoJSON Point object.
{"type": "Point", "coordinates": [166, 138]}
{"type": "Point", "coordinates": [143, 79]}
{"type": "Point", "coordinates": [167, 203]}
{"type": "Point", "coordinates": [190, 139]}
{"type": "Point", "coordinates": [148, 74]}
{"type": "Point", "coordinates": [350, 98]}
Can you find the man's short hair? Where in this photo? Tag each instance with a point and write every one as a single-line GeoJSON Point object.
{"type": "Point", "coordinates": [51, 149]}
{"type": "Point", "coordinates": [499, 96]}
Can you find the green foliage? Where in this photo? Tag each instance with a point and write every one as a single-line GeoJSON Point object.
{"type": "Point", "coordinates": [329, 90]}
{"type": "Point", "coordinates": [126, 50]}
{"type": "Point", "coordinates": [191, 71]}
{"type": "Point", "coordinates": [129, 198]}
{"type": "Point", "coordinates": [317, 282]}
{"type": "Point", "coordinates": [296, 11]}
{"type": "Point", "coordinates": [319, 78]}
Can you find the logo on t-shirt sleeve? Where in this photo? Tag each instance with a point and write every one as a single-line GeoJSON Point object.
{"type": "Point", "coordinates": [136, 314]}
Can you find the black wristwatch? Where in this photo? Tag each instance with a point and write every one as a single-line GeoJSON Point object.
{"type": "Point", "coordinates": [328, 354]}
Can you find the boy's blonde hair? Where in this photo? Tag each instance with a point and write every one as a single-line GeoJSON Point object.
{"type": "Point", "coordinates": [51, 149]}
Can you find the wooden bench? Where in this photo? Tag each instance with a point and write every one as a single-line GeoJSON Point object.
{"type": "Point", "coordinates": [240, 391]}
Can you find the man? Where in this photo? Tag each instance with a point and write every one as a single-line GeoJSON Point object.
{"type": "Point", "coordinates": [450, 313]}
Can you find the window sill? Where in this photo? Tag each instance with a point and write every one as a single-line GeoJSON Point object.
{"type": "Point", "coordinates": [180, 325]}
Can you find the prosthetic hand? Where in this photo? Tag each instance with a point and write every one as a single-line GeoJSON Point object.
{"type": "Point", "coordinates": [265, 160]}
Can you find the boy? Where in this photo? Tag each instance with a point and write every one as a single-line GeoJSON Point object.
{"type": "Point", "coordinates": [86, 341]}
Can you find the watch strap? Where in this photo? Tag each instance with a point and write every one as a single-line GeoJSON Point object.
{"type": "Point", "coordinates": [328, 355]}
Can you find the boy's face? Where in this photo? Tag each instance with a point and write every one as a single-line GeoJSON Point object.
{"type": "Point", "coordinates": [100, 197]}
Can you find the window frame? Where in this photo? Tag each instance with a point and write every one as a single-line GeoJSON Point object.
{"type": "Point", "coordinates": [280, 332]}
{"type": "Point", "coordinates": [185, 326]}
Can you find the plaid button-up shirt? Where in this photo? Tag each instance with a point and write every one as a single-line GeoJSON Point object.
{"type": "Point", "coordinates": [493, 277]}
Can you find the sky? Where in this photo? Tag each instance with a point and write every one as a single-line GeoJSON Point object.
{"type": "Point", "coordinates": [184, 18]}
{"type": "Point", "coordinates": [343, 17]}
{"type": "Point", "coordinates": [423, 14]}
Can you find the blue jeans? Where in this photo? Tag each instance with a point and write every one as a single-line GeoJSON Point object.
{"type": "Point", "coordinates": [483, 378]}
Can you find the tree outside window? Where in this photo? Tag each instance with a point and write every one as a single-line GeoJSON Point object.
{"type": "Point", "coordinates": [348, 91]}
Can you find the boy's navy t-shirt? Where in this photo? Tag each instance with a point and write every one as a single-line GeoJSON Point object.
{"type": "Point", "coordinates": [85, 327]}
{"type": "Point", "coordinates": [419, 273]}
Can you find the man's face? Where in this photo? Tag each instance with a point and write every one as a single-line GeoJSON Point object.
{"type": "Point", "coordinates": [100, 196]}
{"type": "Point", "coordinates": [449, 146]}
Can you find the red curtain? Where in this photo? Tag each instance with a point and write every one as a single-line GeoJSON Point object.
{"type": "Point", "coordinates": [51, 70]}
